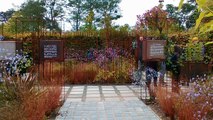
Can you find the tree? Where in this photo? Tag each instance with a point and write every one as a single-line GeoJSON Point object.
{"type": "Point", "coordinates": [27, 18]}
{"type": "Point", "coordinates": [188, 14]}
{"type": "Point", "coordinates": [87, 14]}
{"type": "Point", "coordinates": [76, 11]}
{"type": "Point", "coordinates": [107, 12]}
{"type": "Point", "coordinates": [6, 15]}
{"type": "Point", "coordinates": [204, 21]}
{"type": "Point", "coordinates": [54, 11]}
{"type": "Point", "coordinates": [90, 8]}
{"type": "Point", "coordinates": [89, 21]}
{"type": "Point", "coordinates": [124, 28]}
{"type": "Point", "coordinates": [172, 11]}
{"type": "Point", "coordinates": [152, 20]}
{"type": "Point", "coordinates": [173, 15]}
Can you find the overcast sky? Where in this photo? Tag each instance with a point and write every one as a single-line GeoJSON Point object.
{"type": "Point", "coordinates": [129, 8]}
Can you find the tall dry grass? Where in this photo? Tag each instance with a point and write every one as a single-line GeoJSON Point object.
{"type": "Point", "coordinates": [81, 73]}
{"type": "Point", "coordinates": [166, 100]}
{"type": "Point", "coordinates": [24, 98]}
{"type": "Point", "coordinates": [51, 73]}
{"type": "Point", "coordinates": [185, 108]}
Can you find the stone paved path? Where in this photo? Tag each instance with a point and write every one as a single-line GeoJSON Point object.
{"type": "Point", "coordinates": [112, 102]}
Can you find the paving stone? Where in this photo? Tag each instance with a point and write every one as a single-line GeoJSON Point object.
{"type": "Point", "coordinates": [76, 92]}
{"type": "Point", "coordinates": [130, 98]}
{"type": "Point", "coordinates": [138, 118]}
{"type": "Point", "coordinates": [92, 92]}
{"type": "Point", "coordinates": [110, 118]}
{"type": "Point", "coordinates": [93, 99]}
{"type": "Point", "coordinates": [92, 86]}
{"type": "Point", "coordinates": [107, 88]}
{"type": "Point", "coordinates": [93, 117]}
{"type": "Point", "coordinates": [110, 95]}
{"type": "Point", "coordinates": [102, 118]}
{"type": "Point", "coordinates": [92, 95]}
{"type": "Point", "coordinates": [93, 89]}
{"type": "Point", "coordinates": [112, 99]}
{"type": "Point", "coordinates": [128, 94]}
{"type": "Point", "coordinates": [125, 91]}
{"type": "Point", "coordinates": [122, 88]}
{"type": "Point", "coordinates": [75, 96]}
{"type": "Point", "coordinates": [86, 109]}
{"type": "Point", "coordinates": [100, 109]}
{"type": "Point", "coordinates": [74, 99]}
{"type": "Point", "coordinates": [105, 92]}
{"type": "Point", "coordinates": [78, 86]}
{"type": "Point", "coordinates": [149, 118]}
{"type": "Point", "coordinates": [119, 118]}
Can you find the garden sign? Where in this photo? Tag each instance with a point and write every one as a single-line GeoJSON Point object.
{"type": "Point", "coordinates": [52, 50]}
{"type": "Point", "coordinates": [153, 50]}
{"type": "Point", "coordinates": [9, 49]}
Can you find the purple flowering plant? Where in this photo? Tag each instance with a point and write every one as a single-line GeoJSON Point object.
{"type": "Point", "coordinates": [101, 57]}
{"type": "Point", "coordinates": [197, 103]}
{"type": "Point", "coordinates": [16, 63]}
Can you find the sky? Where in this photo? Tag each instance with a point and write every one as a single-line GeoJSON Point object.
{"type": "Point", "coordinates": [129, 8]}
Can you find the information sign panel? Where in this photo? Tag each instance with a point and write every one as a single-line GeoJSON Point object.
{"type": "Point", "coordinates": [9, 49]}
{"type": "Point", "coordinates": [153, 50]}
{"type": "Point", "coordinates": [52, 50]}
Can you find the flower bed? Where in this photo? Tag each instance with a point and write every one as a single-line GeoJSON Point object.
{"type": "Point", "coordinates": [107, 66]}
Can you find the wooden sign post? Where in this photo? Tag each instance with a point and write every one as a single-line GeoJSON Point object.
{"type": "Point", "coordinates": [51, 52]}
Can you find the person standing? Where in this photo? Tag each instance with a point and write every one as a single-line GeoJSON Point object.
{"type": "Point", "coordinates": [140, 52]}
{"type": "Point", "coordinates": [175, 68]}
{"type": "Point", "coordinates": [151, 74]}
{"type": "Point", "coordinates": [162, 72]}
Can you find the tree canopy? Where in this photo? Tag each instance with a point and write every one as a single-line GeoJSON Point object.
{"type": "Point", "coordinates": [152, 20]}
{"type": "Point", "coordinates": [25, 19]}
